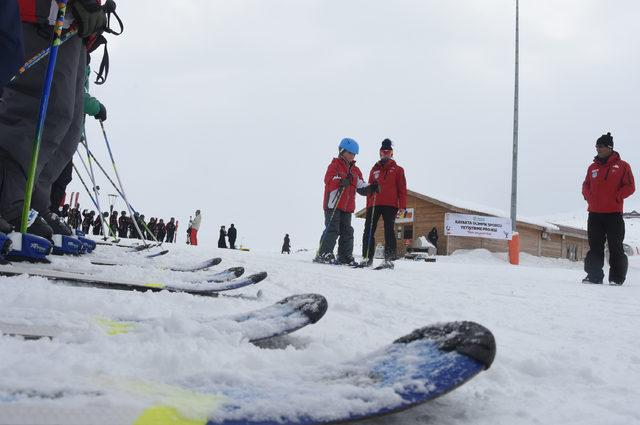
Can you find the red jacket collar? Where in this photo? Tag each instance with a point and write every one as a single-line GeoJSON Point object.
{"type": "Point", "coordinates": [613, 158]}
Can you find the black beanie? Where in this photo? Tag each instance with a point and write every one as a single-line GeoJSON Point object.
{"type": "Point", "coordinates": [605, 140]}
{"type": "Point", "coordinates": [386, 145]}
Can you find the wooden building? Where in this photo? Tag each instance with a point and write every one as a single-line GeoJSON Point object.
{"type": "Point", "coordinates": [536, 237]}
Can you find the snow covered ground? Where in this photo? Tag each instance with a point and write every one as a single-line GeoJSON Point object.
{"type": "Point", "coordinates": [567, 352]}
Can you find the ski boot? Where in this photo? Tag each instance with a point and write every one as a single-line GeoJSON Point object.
{"type": "Point", "coordinates": [366, 262]}
{"type": "Point", "coordinates": [88, 245]}
{"type": "Point", "coordinates": [591, 279]}
{"type": "Point", "coordinates": [64, 242]}
{"type": "Point", "coordinates": [348, 261]}
{"type": "Point", "coordinates": [326, 258]}
{"type": "Point", "coordinates": [34, 245]}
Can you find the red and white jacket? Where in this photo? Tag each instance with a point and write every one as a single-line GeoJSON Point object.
{"type": "Point", "coordinates": [607, 185]}
{"type": "Point", "coordinates": [392, 183]}
{"type": "Point", "coordinates": [345, 199]}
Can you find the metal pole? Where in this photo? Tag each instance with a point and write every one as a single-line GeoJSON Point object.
{"type": "Point", "coordinates": [514, 162]}
{"type": "Point", "coordinates": [93, 181]}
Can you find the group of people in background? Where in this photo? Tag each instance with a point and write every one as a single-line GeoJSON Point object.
{"type": "Point", "coordinates": [230, 234]}
{"type": "Point", "coordinates": [120, 224]}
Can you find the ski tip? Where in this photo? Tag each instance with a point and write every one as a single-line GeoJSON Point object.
{"type": "Point", "coordinates": [258, 277]}
{"type": "Point", "coordinates": [215, 261]}
{"type": "Point", "coordinates": [468, 338]}
{"type": "Point", "coordinates": [237, 271]}
{"type": "Point", "coordinates": [314, 306]}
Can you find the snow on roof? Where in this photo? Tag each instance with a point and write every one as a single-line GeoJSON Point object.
{"type": "Point", "coordinates": [473, 207]}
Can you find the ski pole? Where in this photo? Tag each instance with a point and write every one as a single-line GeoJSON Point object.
{"type": "Point", "coordinates": [115, 186]}
{"type": "Point", "coordinates": [91, 197]}
{"type": "Point", "coordinates": [373, 210]}
{"type": "Point", "coordinates": [95, 202]}
{"type": "Point", "coordinates": [39, 56]}
{"type": "Point", "coordinates": [93, 181]}
{"type": "Point", "coordinates": [42, 114]}
{"type": "Point", "coordinates": [115, 169]}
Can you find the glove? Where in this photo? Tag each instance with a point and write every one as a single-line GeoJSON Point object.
{"type": "Point", "coordinates": [90, 16]}
{"type": "Point", "coordinates": [345, 182]}
{"type": "Point", "coordinates": [374, 187]}
{"type": "Point", "coordinates": [102, 114]}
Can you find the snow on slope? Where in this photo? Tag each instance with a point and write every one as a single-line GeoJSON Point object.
{"type": "Point", "coordinates": [567, 352]}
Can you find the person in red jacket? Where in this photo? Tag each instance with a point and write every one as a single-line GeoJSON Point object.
{"type": "Point", "coordinates": [341, 181]}
{"type": "Point", "coordinates": [608, 182]}
{"type": "Point", "coordinates": [389, 196]}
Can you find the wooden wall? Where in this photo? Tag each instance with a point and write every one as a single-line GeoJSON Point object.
{"type": "Point", "coordinates": [429, 215]}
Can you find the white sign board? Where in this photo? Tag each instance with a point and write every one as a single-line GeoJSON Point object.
{"type": "Point", "coordinates": [477, 226]}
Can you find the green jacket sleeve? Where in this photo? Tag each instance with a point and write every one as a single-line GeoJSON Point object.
{"type": "Point", "coordinates": [91, 105]}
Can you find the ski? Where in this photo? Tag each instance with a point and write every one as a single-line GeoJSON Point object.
{"type": "Point", "coordinates": [204, 287]}
{"type": "Point", "coordinates": [282, 318]}
{"type": "Point", "coordinates": [414, 369]}
{"type": "Point", "coordinates": [193, 268]}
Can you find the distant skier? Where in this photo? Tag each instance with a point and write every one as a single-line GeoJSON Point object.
{"type": "Point", "coordinates": [123, 224]}
{"type": "Point", "coordinates": [113, 221]}
{"type": "Point", "coordinates": [152, 228]}
{"type": "Point", "coordinates": [232, 234]}
{"type": "Point", "coordinates": [390, 194]}
{"type": "Point", "coordinates": [286, 245]}
{"type": "Point", "coordinates": [161, 230]}
{"type": "Point", "coordinates": [87, 220]}
{"type": "Point", "coordinates": [341, 181]}
{"type": "Point", "coordinates": [171, 229]}
{"type": "Point", "coordinates": [195, 226]}
{"type": "Point", "coordinates": [608, 182]}
{"type": "Point", "coordinates": [222, 241]}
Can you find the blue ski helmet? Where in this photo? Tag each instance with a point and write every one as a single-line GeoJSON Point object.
{"type": "Point", "coordinates": [349, 145]}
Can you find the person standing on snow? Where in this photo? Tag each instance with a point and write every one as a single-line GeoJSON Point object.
{"type": "Point", "coordinates": [232, 234]}
{"type": "Point", "coordinates": [608, 182]}
{"type": "Point", "coordinates": [222, 241]}
{"type": "Point", "coordinates": [389, 195]}
{"type": "Point", "coordinates": [21, 102]}
{"type": "Point", "coordinates": [171, 229]}
{"type": "Point", "coordinates": [161, 230]}
{"type": "Point", "coordinates": [341, 181]}
{"type": "Point", "coordinates": [194, 226]}
{"type": "Point", "coordinates": [286, 245]}
{"type": "Point", "coordinates": [123, 225]}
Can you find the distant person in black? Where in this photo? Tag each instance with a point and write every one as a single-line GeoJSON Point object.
{"type": "Point", "coordinates": [161, 230]}
{"type": "Point", "coordinates": [171, 229]}
{"type": "Point", "coordinates": [113, 222]}
{"type": "Point", "coordinates": [222, 242]}
{"type": "Point", "coordinates": [152, 228]}
{"type": "Point", "coordinates": [64, 212]}
{"type": "Point", "coordinates": [286, 245]}
{"type": "Point", "coordinates": [232, 234]}
{"type": "Point", "coordinates": [433, 237]}
{"type": "Point", "coordinates": [123, 224]}
{"type": "Point", "coordinates": [97, 225]}
{"type": "Point", "coordinates": [74, 217]}
{"type": "Point", "coordinates": [87, 221]}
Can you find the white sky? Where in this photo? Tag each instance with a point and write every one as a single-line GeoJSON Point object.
{"type": "Point", "coordinates": [236, 108]}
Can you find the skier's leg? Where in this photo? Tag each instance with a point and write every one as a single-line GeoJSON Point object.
{"type": "Point", "coordinates": [331, 231]}
{"type": "Point", "coordinates": [68, 143]}
{"type": "Point", "coordinates": [369, 234]}
{"type": "Point", "coordinates": [345, 244]}
{"type": "Point", "coordinates": [19, 112]}
{"type": "Point", "coordinates": [59, 187]}
{"type": "Point", "coordinates": [594, 261]}
{"type": "Point", "coordinates": [389, 217]}
{"type": "Point", "coordinates": [618, 261]}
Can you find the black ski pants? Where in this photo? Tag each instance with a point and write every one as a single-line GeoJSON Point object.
{"type": "Point", "coordinates": [337, 225]}
{"type": "Point", "coordinates": [608, 227]}
{"type": "Point", "coordinates": [388, 214]}
{"type": "Point", "coordinates": [170, 236]}
{"type": "Point", "coordinates": [232, 243]}
{"type": "Point", "coordinates": [19, 107]}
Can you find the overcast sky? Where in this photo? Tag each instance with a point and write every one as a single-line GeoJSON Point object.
{"type": "Point", "coordinates": [237, 107]}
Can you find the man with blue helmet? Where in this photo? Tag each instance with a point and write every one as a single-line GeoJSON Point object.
{"type": "Point", "coordinates": [341, 182]}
